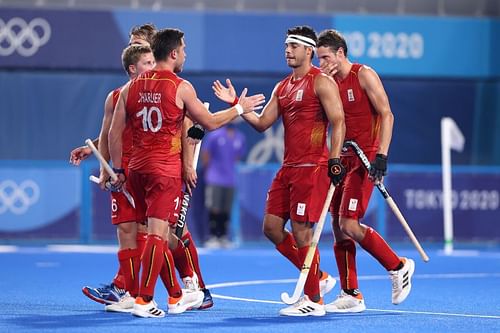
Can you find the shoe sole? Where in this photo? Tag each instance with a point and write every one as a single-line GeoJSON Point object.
{"type": "Point", "coordinates": [410, 275]}
{"type": "Point", "coordinates": [356, 309]}
{"type": "Point", "coordinates": [95, 299]}
{"type": "Point", "coordinates": [321, 314]}
{"type": "Point", "coordinates": [119, 310]}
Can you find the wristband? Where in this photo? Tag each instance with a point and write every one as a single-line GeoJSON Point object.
{"type": "Point", "coordinates": [236, 100]}
{"type": "Point", "coordinates": [239, 109]}
{"type": "Point", "coordinates": [119, 170]}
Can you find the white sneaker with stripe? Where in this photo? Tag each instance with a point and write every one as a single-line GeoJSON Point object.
{"type": "Point", "coordinates": [190, 299]}
{"type": "Point", "coordinates": [148, 310]}
{"type": "Point", "coordinates": [304, 307]}
{"type": "Point", "coordinates": [346, 303]}
{"type": "Point", "coordinates": [401, 281]}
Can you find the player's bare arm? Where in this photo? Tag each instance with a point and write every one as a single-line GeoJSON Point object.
{"type": "Point", "coordinates": [103, 135]}
{"type": "Point", "coordinates": [188, 172]}
{"type": "Point", "coordinates": [371, 83]}
{"type": "Point", "coordinates": [328, 93]}
{"type": "Point", "coordinates": [116, 130]}
{"type": "Point", "coordinates": [187, 99]}
{"type": "Point", "coordinates": [267, 117]}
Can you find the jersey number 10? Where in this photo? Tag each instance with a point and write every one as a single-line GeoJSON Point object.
{"type": "Point", "coordinates": [147, 122]}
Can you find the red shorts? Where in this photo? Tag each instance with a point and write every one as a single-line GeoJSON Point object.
{"type": "Point", "coordinates": [155, 196]}
{"type": "Point", "coordinates": [298, 193]}
{"type": "Point", "coordinates": [352, 195]}
{"type": "Point", "coordinates": [121, 210]}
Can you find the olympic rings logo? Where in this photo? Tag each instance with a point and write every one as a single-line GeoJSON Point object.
{"type": "Point", "coordinates": [18, 198]}
{"type": "Point", "coordinates": [263, 150]}
{"type": "Point", "coordinates": [25, 38]}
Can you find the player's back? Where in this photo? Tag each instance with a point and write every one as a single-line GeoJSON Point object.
{"type": "Point", "coordinates": [156, 123]}
{"type": "Point", "coordinates": [304, 120]}
{"type": "Point", "coordinates": [362, 122]}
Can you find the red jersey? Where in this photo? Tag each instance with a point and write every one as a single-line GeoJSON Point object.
{"type": "Point", "coordinates": [304, 121]}
{"type": "Point", "coordinates": [127, 132]}
{"type": "Point", "coordinates": [361, 120]}
{"type": "Point", "coordinates": [156, 123]}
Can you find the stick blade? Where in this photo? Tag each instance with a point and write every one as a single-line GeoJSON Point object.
{"type": "Point", "coordinates": [285, 298]}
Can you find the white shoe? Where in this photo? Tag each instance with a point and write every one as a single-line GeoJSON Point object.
{"type": "Point", "coordinates": [304, 307]}
{"type": "Point", "coordinates": [326, 284]}
{"type": "Point", "coordinates": [346, 303]}
{"type": "Point", "coordinates": [189, 300]}
{"type": "Point", "coordinates": [213, 243]}
{"type": "Point", "coordinates": [225, 242]}
{"type": "Point", "coordinates": [191, 282]}
{"type": "Point", "coordinates": [148, 310]}
{"type": "Point", "coordinates": [401, 281]}
{"type": "Point", "coordinates": [126, 304]}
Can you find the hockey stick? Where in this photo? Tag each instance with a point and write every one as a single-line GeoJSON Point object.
{"type": "Point", "coordinates": [186, 197]}
{"type": "Point", "coordinates": [109, 170]}
{"type": "Point", "coordinates": [359, 152]}
{"type": "Point", "coordinates": [306, 267]}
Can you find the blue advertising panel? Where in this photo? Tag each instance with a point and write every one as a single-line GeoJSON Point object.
{"type": "Point", "coordinates": [251, 42]}
{"type": "Point", "coordinates": [476, 205]}
{"type": "Point", "coordinates": [419, 46]}
{"type": "Point", "coordinates": [39, 203]}
{"type": "Point", "coordinates": [59, 39]}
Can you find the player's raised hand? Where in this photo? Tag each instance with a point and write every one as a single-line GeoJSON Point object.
{"type": "Point", "coordinates": [225, 94]}
{"type": "Point", "coordinates": [77, 155]}
{"type": "Point", "coordinates": [329, 69]}
{"type": "Point", "coordinates": [251, 103]}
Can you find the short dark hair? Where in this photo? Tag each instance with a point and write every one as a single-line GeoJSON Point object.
{"type": "Point", "coordinates": [145, 31]}
{"type": "Point", "coordinates": [304, 30]}
{"type": "Point", "coordinates": [131, 55]}
{"type": "Point", "coordinates": [332, 39]}
{"type": "Point", "coordinates": [165, 41]}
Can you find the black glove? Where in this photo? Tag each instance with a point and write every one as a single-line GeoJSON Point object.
{"type": "Point", "coordinates": [336, 171]}
{"type": "Point", "coordinates": [378, 167]}
{"type": "Point", "coordinates": [196, 132]}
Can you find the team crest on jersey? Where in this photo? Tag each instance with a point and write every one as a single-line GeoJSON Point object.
{"type": "Point", "coordinates": [350, 95]}
{"type": "Point", "coordinates": [299, 95]}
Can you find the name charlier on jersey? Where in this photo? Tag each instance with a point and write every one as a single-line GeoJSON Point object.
{"type": "Point", "coordinates": [149, 97]}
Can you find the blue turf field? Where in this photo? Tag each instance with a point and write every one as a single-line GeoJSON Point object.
{"type": "Point", "coordinates": [41, 292]}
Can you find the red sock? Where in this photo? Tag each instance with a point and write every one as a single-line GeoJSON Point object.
{"type": "Point", "coordinates": [151, 262]}
{"type": "Point", "coordinates": [192, 257]}
{"type": "Point", "coordinates": [374, 244]}
{"type": "Point", "coordinates": [167, 272]}
{"type": "Point", "coordinates": [130, 264]}
{"type": "Point", "coordinates": [119, 280]}
{"type": "Point", "coordinates": [181, 260]}
{"type": "Point", "coordinates": [141, 241]}
{"type": "Point", "coordinates": [288, 248]}
{"type": "Point", "coordinates": [345, 254]}
{"type": "Point", "coordinates": [311, 287]}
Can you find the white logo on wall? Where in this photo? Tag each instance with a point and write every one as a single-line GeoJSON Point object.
{"type": "Point", "coordinates": [18, 198]}
{"type": "Point", "coordinates": [262, 152]}
{"type": "Point", "coordinates": [23, 37]}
